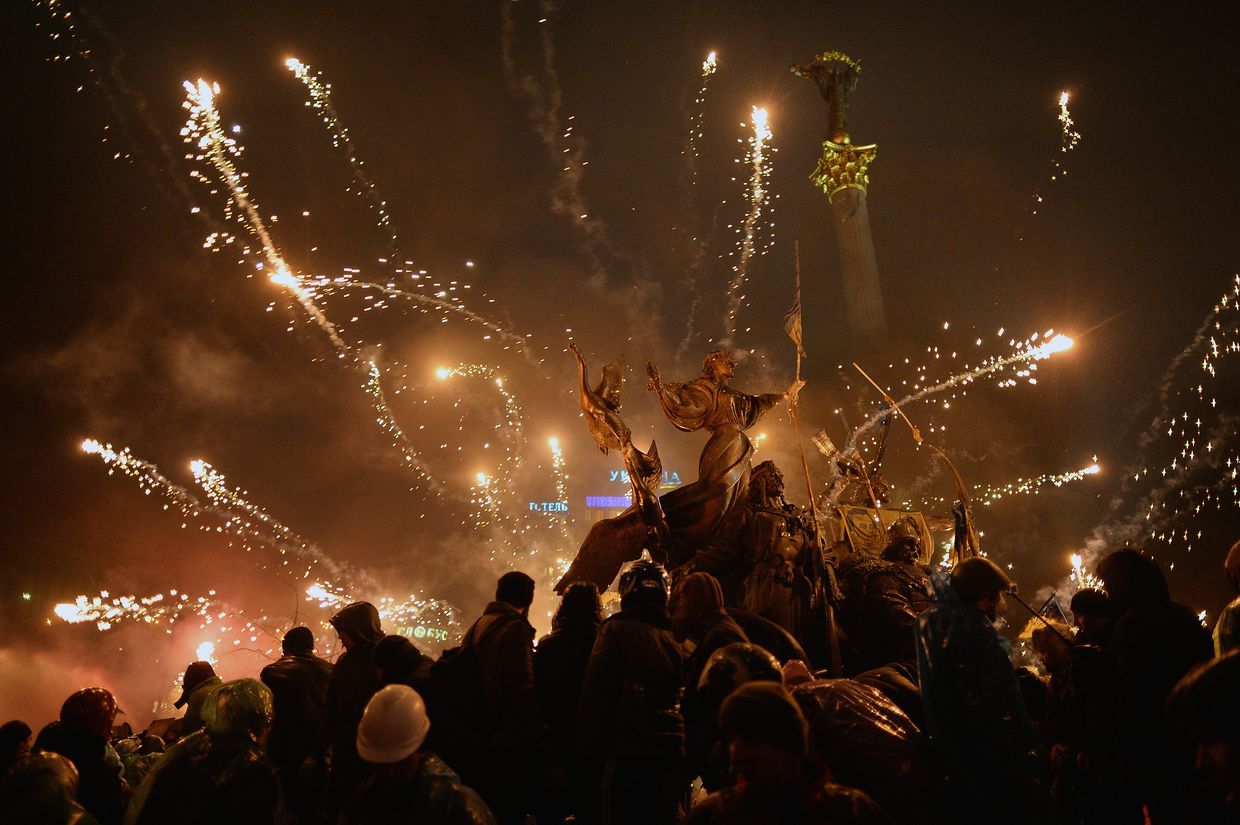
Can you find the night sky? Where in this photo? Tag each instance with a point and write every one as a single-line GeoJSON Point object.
{"type": "Point", "coordinates": [122, 327]}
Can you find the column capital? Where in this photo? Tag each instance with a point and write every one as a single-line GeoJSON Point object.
{"type": "Point", "coordinates": [843, 166]}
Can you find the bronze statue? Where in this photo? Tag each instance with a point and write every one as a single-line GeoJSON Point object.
{"type": "Point", "coordinates": [695, 511]}
{"type": "Point", "coordinates": [613, 541]}
{"type": "Point", "coordinates": [677, 524]}
{"type": "Point", "coordinates": [836, 75]}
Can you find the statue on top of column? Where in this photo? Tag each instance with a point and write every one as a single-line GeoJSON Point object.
{"type": "Point", "coordinates": [836, 75]}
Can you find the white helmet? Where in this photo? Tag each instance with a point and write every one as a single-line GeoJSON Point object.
{"type": "Point", "coordinates": [393, 726]}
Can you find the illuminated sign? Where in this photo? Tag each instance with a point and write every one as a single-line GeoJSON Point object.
{"type": "Point", "coordinates": [548, 507]}
{"type": "Point", "coordinates": [424, 632]}
{"type": "Point", "coordinates": [671, 478]}
{"type": "Point", "coordinates": [608, 502]}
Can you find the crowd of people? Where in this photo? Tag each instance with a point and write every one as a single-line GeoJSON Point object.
{"type": "Point", "coordinates": [666, 711]}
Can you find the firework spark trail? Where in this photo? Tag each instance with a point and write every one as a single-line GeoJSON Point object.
{"type": "Point", "coordinates": [561, 486]}
{"type": "Point", "coordinates": [281, 537]}
{"type": "Point", "coordinates": [758, 159]}
{"type": "Point", "coordinates": [205, 132]}
{"type": "Point", "coordinates": [321, 99]}
{"type": "Point", "coordinates": [514, 419]}
{"type": "Point", "coordinates": [232, 522]}
{"type": "Point", "coordinates": [412, 459]}
{"type": "Point", "coordinates": [1025, 486]}
{"type": "Point", "coordinates": [106, 610]}
{"type": "Point", "coordinates": [1027, 352]}
{"type": "Point", "coordinates": [564, 149]}
{"type": "Point", "coordinates": [1068, 140]}
{"type": "Point", "coordinates": [438, 301]}
{"type": "Point", "coordinates": [1197, 447]}
{"type": "Point", "coordinates": [709, 66]}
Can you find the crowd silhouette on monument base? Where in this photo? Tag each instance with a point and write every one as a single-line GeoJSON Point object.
{"type": "Point", "coordinates": [668, 711]}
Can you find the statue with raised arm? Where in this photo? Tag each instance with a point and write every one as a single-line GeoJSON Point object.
{"type": "Point", "coordinates": [613, 541]}
{"type": "Point", "coordinates": [695, 511]}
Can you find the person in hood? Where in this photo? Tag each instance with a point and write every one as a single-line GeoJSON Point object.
{"type": "Point", "coordinates": [1093, 616]}
{"type": "Point", "coordinates": [1154, 642]}
{"type": "Point", "coordinates": [353, 681]}
{"type": "Point", "coordinates": [702, 626]}
{"type": "Point", "coordinates": [519, 749]}
{"type": "Point", "coordinates": [559, 667]}
{"type": "Point", "coordinates": [220, 773]}
{"type": "Point", "coordinates": [774, 781]}
{"type": "Point", "coordinates": [298, 683]}
{"type": "Point", "coordinates": [198, 681]}
{"type": "Point", "coordinates": [988, 754]}
{"type": "Point", "coordinates": [81, 735]}
{"type": "Point", "coordinates": [631, 724]}
{"type": "Point", "coordinates": [408, 784]}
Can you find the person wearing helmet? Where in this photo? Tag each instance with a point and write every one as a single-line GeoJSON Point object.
{"type": "Point", "coordinates": [298, 682]}
{"type": "Point", "coordinates": [408, 784]}
{"type": "Point", "coordinates": [353, 681]}
{"type": "Point", "coordinates": [988, 752]}
{"type": "Point", "coordinates": [631, 724]}
{"type": "Point", "coordinates": [82, 735]}
{"type": "Point", "coordinates": [220, 773]}
{"type": "Point", "coordinates": [774, 781]}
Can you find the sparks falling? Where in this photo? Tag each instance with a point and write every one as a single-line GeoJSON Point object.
{"type": "Point", "coordinates": [758, 159]}
{"type": "Point", "coordinates": [709, 66]}
{"type": "Point", "coordinates": [321, 99]}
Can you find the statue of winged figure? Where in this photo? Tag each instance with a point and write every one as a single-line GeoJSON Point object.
{"type": "Point", "coordinates": [611, 542]}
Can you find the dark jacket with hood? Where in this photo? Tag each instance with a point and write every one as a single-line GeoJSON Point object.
{"type": "Point", "coordinates": [298, 683]}
{"type": "Point", "coordinates": [634, 684]}
{"type": "Point", "coordinates": [353, 681]}
{"type": "Point", "coordinates": [559, 668]}
{"type": "Point", "coordinates": [713, 631]}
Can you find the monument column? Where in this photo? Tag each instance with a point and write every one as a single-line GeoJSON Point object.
{"type": "Point", "coordinates": [843, 175]}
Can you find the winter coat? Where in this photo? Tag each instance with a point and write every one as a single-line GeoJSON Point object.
{"type": "Point", "coordinates": [974, 712]}
{"type": "Point", "coordinates": [101, 790]}
{"type": "Point", "coordinates": [1154, 643]}
{"type": "Point", "coordinates": [298, 685]}
{"type": "Point", "coordinates": [205, 781]}
{"type": "Point", "coordinates": [435, 795]}
{"type": "Point", "coordinates": [559, 668]}
{"type": "Point", "coordinates": [353, 681]}
{"type": "Point", "coordinates": [503, 640]}
{"type": "Point", "coordinates": [192, 720]}
{"type": "Point", "coordinates": [634, 684]}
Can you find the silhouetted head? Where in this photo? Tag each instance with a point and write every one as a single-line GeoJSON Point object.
{"type": "Point", "coordinates": [1132, 578]}
{"type": "Point", "coordinates": [515, 588]}
{"type": "Point", "coordinates": [580, 607]}
{"type": "Point", "coordinates": [298, 640]}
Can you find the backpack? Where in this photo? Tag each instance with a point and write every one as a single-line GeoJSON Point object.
{"type": "Point", "coordinates": [464, 715]}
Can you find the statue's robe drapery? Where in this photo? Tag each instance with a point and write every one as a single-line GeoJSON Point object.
{"type": "Point", "coordinates": [695, 511]}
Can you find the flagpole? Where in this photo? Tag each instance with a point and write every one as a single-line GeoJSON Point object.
{"type": "Point", "coordinates": [826, 577]}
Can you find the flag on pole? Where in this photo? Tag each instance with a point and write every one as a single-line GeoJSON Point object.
{"type": "Point", "coordinates": [792, 319]}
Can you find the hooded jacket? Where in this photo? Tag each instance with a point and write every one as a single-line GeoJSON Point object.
{"type": "Point", "coordinates": [353, 681]}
